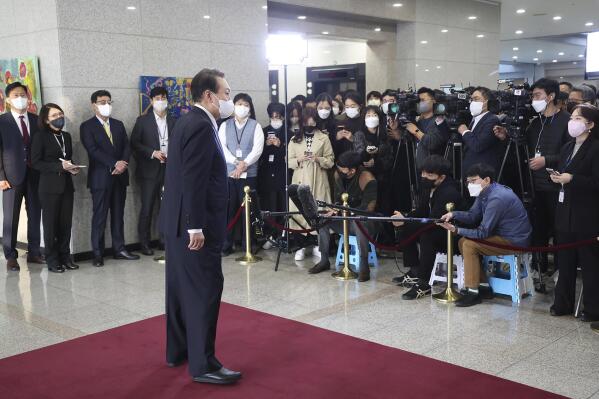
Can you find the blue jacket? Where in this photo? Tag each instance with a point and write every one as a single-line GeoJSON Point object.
{"type": "Point", "coordinates": [499, 212]}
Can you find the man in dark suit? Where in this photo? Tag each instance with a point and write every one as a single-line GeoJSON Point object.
{"type": "Point", "coordinates": [18, 179]}
{"type": "Point", "coordinates": [107, 145]}
{"type": "Point", "coordinates": [480, 143]}
{"type": "Point", "coordinates": [193, 221]}
{"type": "Point", "coordinates": [149, 141]}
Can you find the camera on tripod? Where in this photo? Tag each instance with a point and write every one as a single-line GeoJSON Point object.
{"type": "Point", "coordinates": [454, 107]}
{"type": "Point", "coordinates": [514, 109]}
{"type": "Point", "coordinates": [404, 110]}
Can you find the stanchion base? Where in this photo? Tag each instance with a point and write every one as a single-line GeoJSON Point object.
{"type": "Point", "coordinates": [160, 259]}
{"type": "Point", "coordinates": [447, 296]}
{"type": "Point", "coordinates": [248, 259]}
{"type": "Point", "coordinates": [345, 274]}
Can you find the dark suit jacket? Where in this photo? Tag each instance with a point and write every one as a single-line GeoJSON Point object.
{"type": "Point", "coordinates": [435, 207]}
{"type": "Point", "coordinates": [13, 166]}
{"type": "Point", "coordinates": [45, 154]}
{"type": "Point", "coordinates": [145, 140]}
{"type": "Point", "coordinates": [195, 188]}
{"type": "Point", "coordinates": [481, 145]}
{"type": "Point", "coordinates": [102, 154]}
{"type": "Point", "coordinates": [579, 212]}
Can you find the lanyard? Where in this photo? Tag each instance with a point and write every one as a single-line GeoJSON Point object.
{"type": "Point", "coordinates": [242, 131]}
{"type": "Point", "coordinates": [537, 149]}
{"type": "Point", "coordinates": [62, 146]}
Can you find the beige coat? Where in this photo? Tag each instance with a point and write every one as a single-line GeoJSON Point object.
{"type": "Point", "coordinates": [312, 173]}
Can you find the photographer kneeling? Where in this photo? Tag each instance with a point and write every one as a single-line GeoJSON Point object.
{"type": "Point", "coordinates": [360, 184]}
{"type": "Point", "coordinates": [501, 218]}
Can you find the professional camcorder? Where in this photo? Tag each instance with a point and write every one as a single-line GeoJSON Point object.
{"type": "Point", "coordinates": [404, 110]}
{"type": "Point", "coordinates": [454, 107]}
{"type": "Point", "coordinates": [513, 106]}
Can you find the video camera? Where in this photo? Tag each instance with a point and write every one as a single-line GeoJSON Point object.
{"type": "Point", "coordinates": [454, 107]}
{"type": "Point", "coordinates": [404, 110]}
{"type": "Point", "coordinates": [513, 106]}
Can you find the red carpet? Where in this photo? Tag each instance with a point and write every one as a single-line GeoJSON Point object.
{"type": "Point", "coordinates": [280, 358]}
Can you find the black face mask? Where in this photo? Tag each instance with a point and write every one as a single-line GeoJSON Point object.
{"type": "Point", "coordinates": [58, 123]}
{"type": "Point", "coordinates": [570, 105]}
{"type": "Point", "coordinates": [309, 129]}
{"type": "Point", "coordinates": [345, 176]}
{"type": "Point", "coordinates": [427, 184]}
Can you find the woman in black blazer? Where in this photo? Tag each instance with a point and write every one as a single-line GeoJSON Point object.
{"type": "Point", "coordinates": [577, 215]}
{"type": "Point", "coordinates": [56, 189]}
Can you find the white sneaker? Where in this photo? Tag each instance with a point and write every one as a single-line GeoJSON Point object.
{"type": "Point", "coordinates": [267, 245]}
{"type": "Point", "coordinates": [316, 252]}
{"type": "Point", "coordinates": [300, 254]}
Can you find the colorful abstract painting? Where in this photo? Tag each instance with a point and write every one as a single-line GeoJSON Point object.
{"type": "Point", "coordinates": [24, 70]}
{"type": "Point", "coordinates": [179, 93]}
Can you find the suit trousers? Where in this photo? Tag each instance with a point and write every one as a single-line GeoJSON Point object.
{"type": "Point", "coordinates": [11, 207]}
{"type": "Point", "coordinates": [151, 190]}
{"type": "Point", "coordinates": [194, 285]}
{"type": "Point", "coordinates": [543, 219]}
{"type": "Point", "coordinates": [57, 216]}
{"type": "Point", "coordinates": [569, 260]}
{"type": "Point", "coordinates": [472, 251]}
{"type": "Point", "coordinates": [104, 200]}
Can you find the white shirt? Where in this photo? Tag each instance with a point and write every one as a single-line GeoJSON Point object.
{"type": "Point", "coordinates": [162, 133]}
{"type": "Point", "coordinates": [102, 121]}
{"type": "Point", "coordinates": [18, 120]}
{"type": "Point", "coordinates": [257, 148]}
{"type": "Point", "coordinates": [477, 119]}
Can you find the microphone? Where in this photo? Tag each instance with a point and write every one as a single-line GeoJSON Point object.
{"type": "Point", "coordinates": [309, 207]}
{"type": "Point", "coordinates": [293, 196]}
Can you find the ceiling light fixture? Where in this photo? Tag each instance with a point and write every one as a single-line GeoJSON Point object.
{"type": "Point", "coordinates": [397, 5]}
{"type": "Point", "coordinates": [325, 32]}
{"type": "Point", "coordinates": [377, 29]}
{"type": "Point", "coordinates": [472, 17]}
{"type": "Point", "coordinates": [131, 8]}
{"type": "Point", "coordinates": [557, 18]}
{"type": "Point", "coordinates": [480, 36]}
{"type": "Point", "coordinates": [519, 32]}
{"type": "Point", "coordinates": [589, 24]}
{"type": "Point", "coordinates": [535, 59]}
{"type": "Point", "coordinates": [515, 48]}
{"type": "Point", "coordinates": [444, 30]}
{"type": "Point", "coordinates": [554, 61]}
{"type": "Point", "coordinates": [424, 42]}
{"type": "Point", "coordinates": [580, 55]}
{"type": "Point", "coordinates": [520, 11]}
{"type": "Point", "coordinates": [206, 16]}
{"type": "Point", "coordinates": [264, 7]}
{"type": "Point", "coordinates": [515, 57]}
{"type": "Point", "coordinates": [302, 17]}
{"type": "Point", "coordinates": [539, 51]}
{"type": "Point", "coordinates": [560, 53]}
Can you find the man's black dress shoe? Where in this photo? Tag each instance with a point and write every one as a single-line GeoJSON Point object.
{"type": "Point", "coordinates": [557, 312]}
{"type": "Point", "coordinates": [39, 259]}
{"type": "Point", "coordinates": [56, 269]}
{"type": "Point", "coordinates": [468, 299]}
{"type": "Point", "coordinates": [12, 265]}
{"type": "Point", "coordinates": [126, 255]}
{"type": "Point", "coordinates": [98, 261]}
{"type": "Point", "coordinates": [146, 250]}
{"type": "Point", "coordinates": [219, 377]}
{"type": "Point", "coordinates": [69, 265]}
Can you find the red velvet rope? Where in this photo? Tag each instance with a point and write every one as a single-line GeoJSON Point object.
{"type": "Point", "coordinates": [287, 229]}
{"type": "Point", "coordinates": [399, 245]}
{"type": "Point", "coordinates": [233, 222]}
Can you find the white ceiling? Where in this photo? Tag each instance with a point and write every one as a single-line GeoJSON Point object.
{"type": "Point", "coordinates": [541, 31]}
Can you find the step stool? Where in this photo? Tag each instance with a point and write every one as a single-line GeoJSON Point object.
{"type": "Point", "coordinates": [439, 272]}
{"type": "Point", "coordinates": [509, 275]}
{"type": "Point", "coordinates": [354, 253]}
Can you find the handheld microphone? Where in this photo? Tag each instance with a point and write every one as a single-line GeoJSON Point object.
{"type": "Point", "coordinates": [309, 206]}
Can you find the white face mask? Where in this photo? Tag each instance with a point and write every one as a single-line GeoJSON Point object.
{"type": "Point", "coordinates": [372, 122]}
{"type": "Point", "coordinates": [324, 113]}
{"type": "Point", "coordinates": [242, 111]}
{"type": "Point", "coordinates": [474, 189]}
{"type": "Point", "coordinates": [159, 105]}
{"type": "Point", "coordinates": [105, 110]}
{"type": "Point", "coordinates": [385, 108]}
{"type": "Point", "coordinates": [476, 107]}
{"type": "Point", "coordinates": [374, 102]}
{"type": "Point", "coordinates": [352, 112]}
{"type": "Point", "coordinates": [276, 123]}
{"type": "Point", "coordinates": [336, 110]}
{"type": "Point", "coordinates": [225, 108]}
{"type": "Point", "coordinates": [539, 105]}
{"type": "Point", "coordinates": [19, 103]}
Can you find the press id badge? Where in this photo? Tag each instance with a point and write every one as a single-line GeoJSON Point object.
{"type": "Point", "coordinates": [538, 154]}
{"type": "Point", "coordinates": [271, 158]}
{"type": "Point", "coordinates": [560, 197]}
{"type": "Point", "coordinates": [238, 153]}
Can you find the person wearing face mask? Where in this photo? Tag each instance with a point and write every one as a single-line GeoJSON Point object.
{"type": "Point", "coordinates": [499, 217]}
{"type": "Point", "coordinates": [576, 176]}
{"type": "Point", "coordinates": [18, 180]}
{"type": "Point", "coordinates": [374, 98]}
{"type": "Point", "coordinates": [337, 110]}
{"type": "Point", "coordinates": [377, 156]}
{"type": "Point", "coordinates": [310, 157]}
{"type": "Point", "coordinates": [51, 155]}
{"type": "Point", "coordinates": [545, 136]}
{"type": "Point", "coordinates": [480, 143]}
{"type": "Point", "coordinates": [272, 166]}
{"type": "Point", "coordinates": [388, 97]}
{"type": "Point", "coordinates": [436, 189]}
{"type": "Point", "coordinates": [242, 141]}
{"type": "Point", "coordinates": [108, 149]}
{"type": "Point", "coordinates": [360, 184]}
{"type": "Point", "coordinates": [149, 142]}
{"type": "Point", "coordinates": [294, 118]}
{"type": "Point", "coordinates": [430, 132]}
{"type": "Point", "coordinates": [581, 95]}
{"type": "Point", "coordinates": [326, 118]}
{"type": "Point", "coordinates": [348, 134]}
{"type": "Point", "coordinates": [194, 223]}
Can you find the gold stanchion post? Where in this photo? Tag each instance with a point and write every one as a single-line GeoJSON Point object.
{"type": "Point", "coordinates": [449, 295]}
{"type": "Point", "coordinates": [248, 258]}
{"type": "Point", "coordinates": [346, 273]}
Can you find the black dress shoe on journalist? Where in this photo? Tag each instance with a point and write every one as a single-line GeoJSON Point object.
{"type": "Point", "coordinates": [36, 259]}
{"type": "Point", "coordinates": [12, 265]}
{"type": "Point", "coordinates": [98, 261]}
{"type": "Point", "coordinates": [69, 265]}
{"type": "Point", "coordinates": [554, 311]}
{"type": "Point", "coordinates": [219, 377]}
{"type": "Point", "coordinates": [468, 299]}
{"type": "Point", "coordinates": [126, 255]}
{"type": "Point", "coordinates": [320, 267]}
{"type": "Point", "coordinates": [146, 250]}
{"type": "Point", "coordinates": [56, 269]}
{"type": "Point", "coordinates": [588, 318]}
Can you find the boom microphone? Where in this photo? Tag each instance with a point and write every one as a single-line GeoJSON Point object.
{"type": "Point", "coordinates": [292, 190]}
{"type": "Point", "coordinates": [310, 208]}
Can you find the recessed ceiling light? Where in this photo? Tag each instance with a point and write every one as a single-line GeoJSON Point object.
{"type": "Point", "coordinates": [206, 16]}
{"type": "Point", "coordinates": [557, 18]}
{"type": "Point", "coordinates": [377, 29]}
{"type": "Point", "coordinates": [438, 66]}
{"type": "Point", "coordinates": [519, 32]}
{"type": "Point", "coordinates": [554, 61]}
{"type": "Point", "coordinates": [539, 51]}
{"type": "Point", "coordinates": [561, 77]}
{"type": "Point", "coordinates": [515, 48]}
{"type": "Point", "coordinates": [397, 4]}
{"type": "Point", "coordinates": [426, 70]}
{"type": "Point", "coordinates": [520, 11]}
{"type": "Point", "coordinates": [574, 63]}
{"type": "Point", "coordinates": [131, 8]}
{"type": "Point", "coordinates": [589, 24]}
{"type": "Point", "coordinates": [417, 65]}
{"type": "Point", "coordinates": [480, 36]}
{"type": "Point", "coordinates": [301, 17]}
{"type": "Point", "coordinates": [515, 57]}
{"type": "Point", "coordinates": [325, 32]}
{"type": "Point", "coordinates": [472, 17]}
{"type": "Point", "coordinates": [580, 55]}
{"type": "Point", "coordinates": [423, 41]}
{"type": "Point", "coordinates": [264, 7]}
{"type": "Point", "coordinates": [265, 24]}
{"type": "Point", "coordinates": [560, 53]}
{"type": "Point", "coordinates": [535, 59]}
{"type": "Point", "coordinates": [444, 30]}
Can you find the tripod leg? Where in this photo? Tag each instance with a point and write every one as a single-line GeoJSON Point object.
{"type": "Point", "coordinates": [278, 258]}
{"type": "Point", "coordinates": [505, 155]}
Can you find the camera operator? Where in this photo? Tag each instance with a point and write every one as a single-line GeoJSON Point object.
{"type": "Point", "coordinates": [480, 144]}
{"type": "Point", "coordinates": [388, 98]}
{"type": "Point", "coordinates": [545, 137]}
{"type": "Point", "coordinates": [430, 132]}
